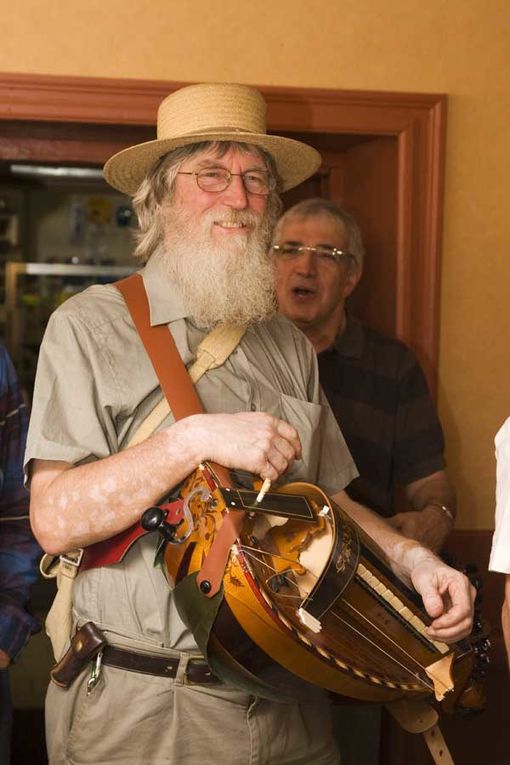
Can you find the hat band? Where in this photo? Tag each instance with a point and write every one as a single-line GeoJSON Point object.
{"type": "Point", "coordinates": [213, 131]}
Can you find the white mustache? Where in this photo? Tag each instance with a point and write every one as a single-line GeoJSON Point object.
{"type": "Point", "coordinates": [235, 218]}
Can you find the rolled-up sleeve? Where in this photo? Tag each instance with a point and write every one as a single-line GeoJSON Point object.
{"type": "Point", "coordinates": [500, 553]}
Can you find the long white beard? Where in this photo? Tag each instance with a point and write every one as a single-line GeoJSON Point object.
{"type": "Point", "coordinates": [228, 282]}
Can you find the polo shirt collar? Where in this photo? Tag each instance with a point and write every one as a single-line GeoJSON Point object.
{"type": "Point", "coordinates": [166, 302]}
{"type": "Point", "coordinates": [351, 342]}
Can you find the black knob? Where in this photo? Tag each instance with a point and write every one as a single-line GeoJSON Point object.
{"type": "Point", "coordinates": [152, 518]}
{"type": "Point", "coordinates": [205, 586]}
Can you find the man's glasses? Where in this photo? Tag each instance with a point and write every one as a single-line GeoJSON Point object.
{"type": "Point", "coordinates": [323, 252]}
{"type": "Point", "coordinates": [216, 179]}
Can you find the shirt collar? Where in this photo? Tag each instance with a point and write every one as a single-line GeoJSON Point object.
{"type": "Point", "coordinates": [351, 342]}
{"type": "Point", "coordinates": [166, 302]}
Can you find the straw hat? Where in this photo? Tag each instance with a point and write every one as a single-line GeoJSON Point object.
{"type": "Point", "coordinates": [211, 112]}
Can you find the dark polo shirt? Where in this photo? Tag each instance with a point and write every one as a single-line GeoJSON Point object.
{"type": "Point", "coordinates": [379, 395]}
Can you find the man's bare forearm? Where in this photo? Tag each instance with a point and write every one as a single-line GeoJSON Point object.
{"type": "Point", "coordinates": [401, 553]}
{"type": "Point", "coordinates": [76, 506]}
{"type": "Point", "coordinates": [431, 518]}
{"type": "Point", "coordinates": [447, 594]}
{"type": "Point", "coordinates": [433, 490]}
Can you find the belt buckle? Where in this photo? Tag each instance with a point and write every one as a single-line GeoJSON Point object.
{"type": "Point", "coordinates": [187, 680]}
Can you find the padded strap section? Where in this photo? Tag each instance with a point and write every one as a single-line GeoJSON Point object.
{"type": "Point", "coordinates": [418, 716]}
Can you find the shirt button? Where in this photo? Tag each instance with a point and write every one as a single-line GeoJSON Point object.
{"type": "Point", "coordinates": [253, 407]}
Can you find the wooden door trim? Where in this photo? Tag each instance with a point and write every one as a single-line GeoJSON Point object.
{"type": "Point", "coordinates": [417, 121]}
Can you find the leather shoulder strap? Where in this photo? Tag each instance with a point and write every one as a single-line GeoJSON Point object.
{"type": "Point", "coordinates": [177, 385]}
{"type": "Point", "coordinates": [160, 346]}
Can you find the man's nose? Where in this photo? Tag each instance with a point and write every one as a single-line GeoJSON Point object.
{"type": "Point", "coordinates": [306, 263]}
{"type": "Point", "coordinates": [235, 195]}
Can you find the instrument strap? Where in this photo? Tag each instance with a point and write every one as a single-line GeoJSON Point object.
{"type": "Point", "coordinates": [417, 716]}
{"type": "Point", "coordinates": [437, 746]}
{"type": "Point", "coordinates": [180, 396]}
{"type": "Point", "coordinates": [161, 349]}
{"type": "Point", "coordinates": [212, 352]}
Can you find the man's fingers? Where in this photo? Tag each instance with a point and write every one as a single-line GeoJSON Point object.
{"type": "Point", "coordinates": [290, 435]}
{"type": "Point", "coordinates": [450, 627]}
{"type": "Point", "coordinates": [433, 602]}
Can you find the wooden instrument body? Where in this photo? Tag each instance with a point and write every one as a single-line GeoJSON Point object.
{"type": "Point", "coordinates": [315, 596]}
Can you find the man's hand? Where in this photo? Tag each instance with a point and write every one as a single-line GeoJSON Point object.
{"type": "Point", "coordinates": [5, 659]}
{"type": "Point", "coordinates": [98, 499]}
{"type": "Point", "coordinates": [429, 526]}
{"type": "Point", "coordinates": [252, 441]}
{"type": "Point", "coordinates": [447, 595]}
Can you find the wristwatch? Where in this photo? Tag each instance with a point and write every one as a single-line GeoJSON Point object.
{"type": "Point", "coordinates": [446, 510]}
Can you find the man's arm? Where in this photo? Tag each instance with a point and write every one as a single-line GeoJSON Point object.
{"type": "Point", "coordinates": [75, 506]}
{"type": "Point", "coordinates": [447, 594]}
{"type": "Point", "coordinates": [427, 522]}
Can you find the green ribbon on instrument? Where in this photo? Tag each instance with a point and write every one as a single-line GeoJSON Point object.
{"type": "Point", "coordinates": [198, 612]}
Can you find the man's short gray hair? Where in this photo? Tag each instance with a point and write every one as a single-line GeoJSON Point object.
{"type": "Point", "coordinates": [317, 207]}
{"type": "Point", "coordinates": [158, 186]}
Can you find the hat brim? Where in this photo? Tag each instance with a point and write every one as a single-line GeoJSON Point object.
{"type": "Point", "coordinates": [295, 161]}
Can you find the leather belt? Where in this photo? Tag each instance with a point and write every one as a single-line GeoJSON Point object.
{"type": "Point", "coordinates": [197, 672]}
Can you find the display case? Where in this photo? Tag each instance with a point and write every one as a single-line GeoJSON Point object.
{"type": "Point", "coordinates": [32, 292]}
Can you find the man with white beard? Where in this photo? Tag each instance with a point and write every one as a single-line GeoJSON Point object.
{"type": "Point", "coordinates": [206, 196]}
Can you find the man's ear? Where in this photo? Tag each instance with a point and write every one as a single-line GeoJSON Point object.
{"type": "Point", "coordinates": [351, 279]}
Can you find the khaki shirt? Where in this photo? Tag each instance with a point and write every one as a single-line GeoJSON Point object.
{"type": "Point", "coordinates": [95, 385]}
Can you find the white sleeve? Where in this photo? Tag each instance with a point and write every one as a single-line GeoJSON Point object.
{"type": "Point", "coordinates": [500, 553]}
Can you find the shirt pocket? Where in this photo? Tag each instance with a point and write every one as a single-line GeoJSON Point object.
{"type": "Point", "coordinates": [306, 417]}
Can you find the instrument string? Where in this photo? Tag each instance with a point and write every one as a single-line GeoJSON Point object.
{"type": "Point", "coordinates": [259, 555]}
{"type": "Point", "coordinates": [382, 650]}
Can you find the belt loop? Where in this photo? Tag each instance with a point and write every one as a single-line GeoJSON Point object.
{"type": "Point", "coordinates": [180, 677]}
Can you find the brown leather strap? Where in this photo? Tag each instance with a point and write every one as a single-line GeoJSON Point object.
{"type": "Point", "coordinates": [161, 666]}
{"type": "Point", "coordinates": [160, 346]}
{"type": "Point", "coordinates": [183, 400]}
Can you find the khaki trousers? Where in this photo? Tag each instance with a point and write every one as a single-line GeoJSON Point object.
{"type": "Point", "coordinates": [135, 719]}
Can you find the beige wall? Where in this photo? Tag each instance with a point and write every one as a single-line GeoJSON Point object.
{"type": "Point", "coordinates": [459, 47]}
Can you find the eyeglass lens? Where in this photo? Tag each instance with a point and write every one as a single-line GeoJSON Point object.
{"type": "Point", "coordinates": [217, 179]}
{"type": "Point", "coordinates": [321, 251]}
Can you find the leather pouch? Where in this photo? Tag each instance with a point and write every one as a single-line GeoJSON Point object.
{"type": "Point", "coordinates": [86, 643]}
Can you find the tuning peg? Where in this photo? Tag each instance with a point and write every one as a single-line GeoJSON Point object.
{"type": "Point", "coordinates": [477, 582]}
{"type": "Point", "coordinates": [481, 656]}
